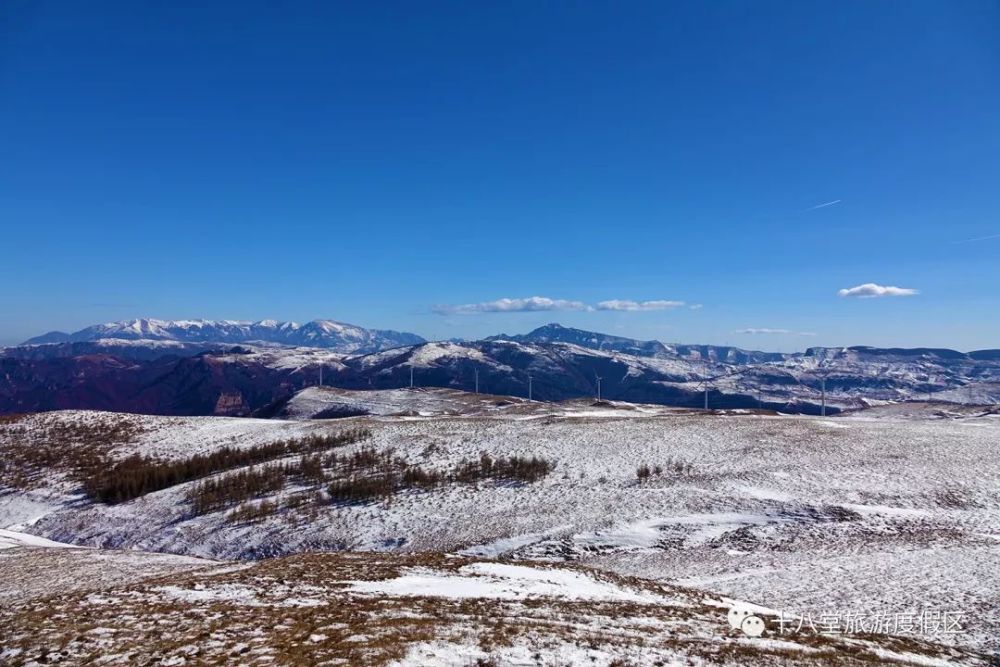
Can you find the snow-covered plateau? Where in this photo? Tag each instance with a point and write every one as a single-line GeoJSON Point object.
{"type": "Point", "coordinates": [631, 548]}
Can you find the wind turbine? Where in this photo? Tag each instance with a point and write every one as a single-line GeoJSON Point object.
{"type": "Point", "coordinates": [705, 386]}
{"type": "Point", "coordinates": [824, 369]}
{"type": "Point", "coordinates": [529, 387]}
{"type": "Point", "coordinates": [411, 376]}
{"type": "Point", "coordinates": [477, 380]}
{"type": "Point", "coordinates": [598, 378]}
{"type": "Point", "coordinates": [822, 393]}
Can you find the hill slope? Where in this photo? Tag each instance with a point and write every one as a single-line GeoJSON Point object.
{"type": "Point", "coordinates": [902, 516]}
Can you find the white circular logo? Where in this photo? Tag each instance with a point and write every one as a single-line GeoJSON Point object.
{"type": "Point", "coordinates": [736, 615]}
{"type": "Point", "coordinates": [753, 626]}
{"type": "Point", "coordinates": [741, 617]}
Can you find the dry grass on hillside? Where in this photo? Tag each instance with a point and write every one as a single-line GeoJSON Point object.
{"type": "Point", "coordinates": [299, 610]}
{"type": "Point", "coordinates": [32, 446]}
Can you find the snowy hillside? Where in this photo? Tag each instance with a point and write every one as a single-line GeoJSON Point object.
{"type": "Point", "coordinates": [424, 610]}
{"type": "Point", "coordinates": [331, 403]}
{"type": "Point", "coordinates": [865, 515]}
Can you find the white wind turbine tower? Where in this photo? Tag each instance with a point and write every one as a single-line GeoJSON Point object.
{"type": "Point", "coordinates": [529, 386]}
{"type": "Point", "coordinates": [598, 378]}
{"type": "Point", "coordinates": [822, 395]}
{"type": "Point", "coordinates": [411, 376]}
{"type": "Point", "coordinates": [705, 386]}
{"type": "Point", "coordinates": [477, 380]}
{"type": "Point", "coordinates": [824, 369]}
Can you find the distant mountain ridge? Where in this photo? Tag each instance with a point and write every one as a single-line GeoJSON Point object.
{"type": "Point", "coordinates": [198, 367]}
{"type": "Point", "coordinates": [330, 334]}
{"type": "Point", "coordinates": [556, 333]}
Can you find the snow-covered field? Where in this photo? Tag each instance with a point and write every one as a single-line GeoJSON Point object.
{"type": "Point", "coordinates": [392, 609]}
{"type": "Point", "coordinates": [879, 515]}
{"type": "Point", "coordinates": [318, 401]}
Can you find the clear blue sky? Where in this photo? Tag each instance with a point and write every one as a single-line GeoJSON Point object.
{"type": "Point", "coordinates": [369, 161]}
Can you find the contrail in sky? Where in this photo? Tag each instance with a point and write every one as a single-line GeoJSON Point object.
{"type": "Point", "coordinates": [829, 203]}
{"type": "Point", "coordinates": [981, 238]}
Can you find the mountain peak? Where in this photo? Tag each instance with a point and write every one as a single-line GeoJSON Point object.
{"type": "Point", "coordinates": [338, 336]}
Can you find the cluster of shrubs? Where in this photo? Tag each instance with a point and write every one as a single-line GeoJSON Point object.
{"type": "Point", "coordinates": [389, 476]}
{"type": "Point", "coordinates": [225, 490]}
{"type": "Point", "coordinates": [360, 489]}
{"type": "Point", "coordinates": [12, 419]}
{"type": "Point", "coordinates": [675, 466]}
{"type": "Point", "coordinates": [219, 492]}
{"type": "Point", "coordinates": [371, 475]}
{"type": "Point", "coordinates": [366, 469]}
{"type": "Point", "coordinates": [251, 512]}
{"type": "Point", "coordinates": [30, 450]}
{"type": "Point", "coordinates": [365, 475]}
{"type": "Point", "coordinates": [138, 475]}
{"type": "Point", "coordinates": [512, 468]}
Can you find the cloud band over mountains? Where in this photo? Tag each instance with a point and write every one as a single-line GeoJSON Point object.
{"type": "Point", "coordinates": [541, 304]}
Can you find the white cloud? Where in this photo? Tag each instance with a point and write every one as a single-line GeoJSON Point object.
{"type": "Point", "coordinates": [530, 304]}
{"type": "Point", "coordinates": [824, 205]}
{"type": "Point", "coordinates": [695, 306]}
{"type": "Point", "coordinates": [766, 330]}
{"type": "Point", "coordinates": [541, 303]}
{"type": "Point", "coordinates": [873, 291]}
{"type": "Point", "coordinates": [634, 306]}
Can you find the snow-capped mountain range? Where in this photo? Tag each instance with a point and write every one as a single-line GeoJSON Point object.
{"type": "Point", "coordinates": [242, 368]}
{"type": "Point", "coordinates": [329, 334]}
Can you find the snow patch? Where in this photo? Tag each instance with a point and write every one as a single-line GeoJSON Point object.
{"type": "Point", "coordinates": [10, 539]}
{"type": "Point", "coordinates": [505, 582]}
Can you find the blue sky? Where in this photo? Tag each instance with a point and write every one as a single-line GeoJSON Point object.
{"type": "Point", "coordinates": [385, 163]}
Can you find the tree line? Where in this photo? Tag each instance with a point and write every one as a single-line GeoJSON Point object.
{"type": "Point", "coordinates": [138, 475]}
